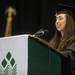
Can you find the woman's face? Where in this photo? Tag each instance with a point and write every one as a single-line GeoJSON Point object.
{"type": "Point", "coordinates": [60, 22]}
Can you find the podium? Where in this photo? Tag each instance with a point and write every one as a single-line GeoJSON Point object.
{"type": "Point", "coordinates": [27, 55]}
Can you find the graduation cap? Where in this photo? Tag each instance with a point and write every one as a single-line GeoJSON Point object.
{"type": "Point", "coordinates": [70, 10]}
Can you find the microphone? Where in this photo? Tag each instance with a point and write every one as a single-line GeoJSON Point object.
{"type": "Point", "coordinates": [41, 32]}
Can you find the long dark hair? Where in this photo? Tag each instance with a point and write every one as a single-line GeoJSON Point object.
{"type": "Point", "coordinates": [59, 42]}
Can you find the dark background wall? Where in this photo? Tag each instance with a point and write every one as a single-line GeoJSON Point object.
{"type": "Point", "coordinates": [31, 15]}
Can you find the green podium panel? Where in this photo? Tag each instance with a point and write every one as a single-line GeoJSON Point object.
{"type": "Point", "coordinates": [43, 60]}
